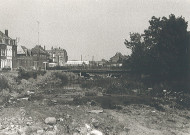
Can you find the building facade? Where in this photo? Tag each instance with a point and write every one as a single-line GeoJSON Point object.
{"type": "Point", "coordinates": [75, 63]}
{"type": "Point", "coordinates": [40, 57]}
{"type": "Point", "coordinates": [24, 58]}
{"type": "Point", "coordinates": [8, 51]}
{"type": "Point", "coordinates": [58, 56]}
{"type": "Point", "coordinates": [35, 58]}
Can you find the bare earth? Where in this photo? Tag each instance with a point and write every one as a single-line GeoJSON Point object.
{"type": "Point", "coordinates": [23, 116]}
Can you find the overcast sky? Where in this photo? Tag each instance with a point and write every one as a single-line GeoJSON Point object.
{"type": "Point", "coordinates": [88, 27]}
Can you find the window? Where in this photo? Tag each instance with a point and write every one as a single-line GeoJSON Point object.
{"type": "Point", "coordinates": [2, 52]}
{"type": "Point", "coordinates": [14, 54]}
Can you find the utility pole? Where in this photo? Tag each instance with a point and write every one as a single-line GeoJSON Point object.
{"type": "Point", "coordinates": [38, 33]}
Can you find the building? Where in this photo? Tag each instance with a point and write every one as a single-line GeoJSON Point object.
{"type": "Point", "coordinates": [58, 57]}
{"type": "Point", "coordinates": [35, 58]}
{"type": "Point", "coordinates": [74, 63]}
{"type": "Point", "coordinates": [117, 58]}
{"type": "Point", "coordinates": [40, 57]}
{"type": "Point", "coordinates": [24, 58]}
{"type": "Point", "coordinates": [8, 51]}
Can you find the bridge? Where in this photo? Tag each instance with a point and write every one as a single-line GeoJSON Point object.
{"type": "Point", "coordinates": [98, 71]}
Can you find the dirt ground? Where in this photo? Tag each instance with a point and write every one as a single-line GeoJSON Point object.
{"type": "Point", "coordinates": [27, 116]}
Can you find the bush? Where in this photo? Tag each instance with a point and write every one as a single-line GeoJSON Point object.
{"type": "Point", "coordinates": [99, 82]}
{"type": "Point", "coordinates": [6, 69]}
{"type": "Point", "coordinates": [116, 88]}
{"type": "Point", "coordinates": [90, 93]}
{"type": "Point", "coordinates": [22, 74]}
{"type": "Point", "coordinates": [3, 83]}
{"type": "Point", "coordinates": [53, 79]}
{"type": "Point", "coordinates": [63, 77]}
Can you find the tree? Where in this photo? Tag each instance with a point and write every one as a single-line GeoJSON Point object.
{"type": "Point", "coordinates": [162, 51]}
{"type": "Point", "coordinates": [168, 43]}
{"type": "Point", "coordinates": [134, 63]}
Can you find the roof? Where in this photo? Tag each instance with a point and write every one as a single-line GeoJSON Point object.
{"type": "Point", "coordinates": [118, 57]}
{"type": "Point", "coordinates": [6, 39]}
{"type": "Point", "coordinates": [56, 50]}
{"type": "Point", "coordinates": [23, 50]}
{"type": "Point", "coordinates": [20, 50]}
{"type": "Point", "coordinates": [3, 35]}
{"type": "Point", "coordinates": [38, 49]}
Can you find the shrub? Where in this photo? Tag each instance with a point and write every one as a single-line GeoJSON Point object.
{"type": "Point", "coordinates": [63, 77]}
{"type": "Point", "coordinates": [90, 93]}
{"type": "Point", "coordinates": [99, 82]}
{"type": "Point", "coordinates": [116, 88]}
{"type": "Point", "coordinates": [3, 83]}
{"type": "Point", "coordinates": [22, 74]}
{"type": "Point", "coordinates": [52, 79]}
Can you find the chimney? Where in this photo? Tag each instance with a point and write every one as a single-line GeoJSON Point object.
{"type": "Point", "coordinates": [6, 33]}
{"type": "Point", "coordinates": [44, 47]}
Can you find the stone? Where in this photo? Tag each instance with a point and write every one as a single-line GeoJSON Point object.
{"type": "Point", "coordinates": [1, 127]}
{"type": "Point", "coordinates": [50, 120]}
{"type": "Point", "coordinates": [30, 130]}
{"type": "Point", "coordinates": [50, 128]}
{"type": "Point", "coordinates": [30, 93]}
{"type": "Point", "coordinates": [50, 133]}
{"type": "Point", "coordinates": [95, 123]}
{"type": "Point", "coordinates": [95, 132]}
{"type": "Point", "coordinates": [75, 133]}
{"type": "Point", "coordinates": [60, 119]}
{"type": "Point", "coordinates": [40, 132]}
{"type": "Point", "coordinates": [45, 102]}
{"type": "Point", "coordinates": [83, 130]}
{"type": "Point", "coordinates": [26, 98]}
{"type": "Point", "coordinates": [28, 123]}
{"type": "Point", "coordinates": [96, 111]}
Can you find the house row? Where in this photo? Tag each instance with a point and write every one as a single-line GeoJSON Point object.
{"type": "Point", "coordinates": [14, 56]}
{"type": "Point", "coordinates": [8, 50]}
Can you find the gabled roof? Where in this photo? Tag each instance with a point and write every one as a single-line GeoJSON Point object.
{"type": "Point", "coordinates": [4, 39]}
{"type": "Point", "coordinates": [118, 57]}
{"type": "Point", "coordinates": [23, 50]}
{"type": "Point", "coordinates": [20, 50]}
{"type": "Point", "coordinates": [2, 35]}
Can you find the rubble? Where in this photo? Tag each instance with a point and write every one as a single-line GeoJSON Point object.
{"type": "Point", "coordinates": [41, 117]}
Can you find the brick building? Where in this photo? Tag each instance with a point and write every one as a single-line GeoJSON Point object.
{"type": "Point", "coordinates": [40, 57]}
{"type": "Point", "coordinates": [8, 51]}
{"type": "Point", "coordinates": [58, 56]}
{"type": "Point", "coordinates": [35, 58]}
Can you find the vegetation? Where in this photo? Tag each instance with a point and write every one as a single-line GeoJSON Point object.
{"type": "Point", "coordinates": [22, 74]}
{"type": "Point", "coordinates": [161, 53]}
{"type": "Point", "coordinates": [3, 83]}
{"type": "Point", "coordinates": [120, 85]}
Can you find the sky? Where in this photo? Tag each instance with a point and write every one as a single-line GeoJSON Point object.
{"type": "Point", "coordinates": [84, 27]}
